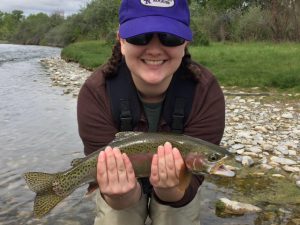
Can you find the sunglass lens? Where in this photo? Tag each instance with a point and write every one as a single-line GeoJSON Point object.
{"type": "Point", "coordinates": [142, 39]}
{"type": "Point", "coordinates": [170, 40]}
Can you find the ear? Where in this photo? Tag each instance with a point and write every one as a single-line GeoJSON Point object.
{"type": "Point", "coordinates": [122, 42]}
{"type": "Point", "coordinates": [118, 35]}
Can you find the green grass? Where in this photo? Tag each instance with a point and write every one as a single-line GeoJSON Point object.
{"type": "Point", "coordinates": [264, 65]}
{"type": "Point", "coordinates": [89, 54]}
{"type": "Point", "coordinates": [253, 64]}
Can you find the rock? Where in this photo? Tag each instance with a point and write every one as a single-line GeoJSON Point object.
{"type": "Point", "coordinates": [283, 149]}
{"type": "Point", "coordinates": [298, 183]}
{"type": "Point", "coordinates": [255, 149]}
{"type": "Point", "coordinates": [237, 146]}
{"type": "Point", "coordinates": [291, 169]}
{"type": "Point", "coordinates": [278, 175]}
{"type": "Point", "coordinates": [267, 147]}
{"type": "Point", "coordinates": [292, 152]}
{"type": "Point", "coordinates": [283, 161]}
{"type": "Point", "coordinates": [287, 115]}
{"type": "Point", "coordinates": [235, 208]}
{"type": "Point", "coordinates": [247, 161]}
{"type": "Point", "coordinates": [266, 166]}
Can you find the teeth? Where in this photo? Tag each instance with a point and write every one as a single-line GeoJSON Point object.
{"type": "Point", "coordinates": [154, 62]}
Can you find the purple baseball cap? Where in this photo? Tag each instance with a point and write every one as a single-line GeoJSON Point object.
{"type": "Point", "coordinates": [146, 16]}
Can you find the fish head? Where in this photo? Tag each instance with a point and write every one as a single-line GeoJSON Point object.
{"type": "Point", "coordinates": [211, 163]}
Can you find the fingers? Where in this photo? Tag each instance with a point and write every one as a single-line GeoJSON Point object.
{"type": "Point", "coordinates": [129, 169]}
{"type": "Point", "coordinates": [115, 174]}
{"type": "Point", "coordinates": [102, 178]}
{"type": "Point", "coordinates": [179, 163]}
{"type": "Point", "coordinates": [166, 166]}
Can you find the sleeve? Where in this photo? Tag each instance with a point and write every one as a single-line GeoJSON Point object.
{"type": "Point", "coordinates": [207, 119]}
{"type": "Point", "coordinates": [189, 194]}
{"type": "Point", "coordinates": [95, 123]}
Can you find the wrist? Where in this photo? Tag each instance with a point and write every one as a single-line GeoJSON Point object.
{"type": "Point", "coordinates": [169, 194]}
{"type": "Point", "coordinates": [123, 201]}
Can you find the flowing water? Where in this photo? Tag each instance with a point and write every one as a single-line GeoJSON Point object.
{"type": "Point", "coordinates": [38, 132]}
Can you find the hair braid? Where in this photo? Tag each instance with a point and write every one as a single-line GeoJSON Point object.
{"type": "Point", "coordinates": [110, 68]}
{"type": "Point", "coordinates": [192, 67]}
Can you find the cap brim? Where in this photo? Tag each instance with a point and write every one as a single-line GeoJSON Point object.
{"type": "Point", "coordinates": [150, 24]}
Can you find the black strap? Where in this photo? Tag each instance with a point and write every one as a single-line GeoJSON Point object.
{"type": "Point", "coordinates": [178, 116]}
{"type": "Point", "coordinates": [123, 98]}
{"type": "Point", "coordinates": [125, 116]}
{"type": "Point", "coordinates": [179, 101]}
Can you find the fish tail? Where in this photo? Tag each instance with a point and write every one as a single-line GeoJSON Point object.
{"type": "Point", "coordinates": [46, 198]}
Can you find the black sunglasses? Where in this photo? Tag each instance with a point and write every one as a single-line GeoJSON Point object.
{"type": "Point", "coordinates": [166, 39]}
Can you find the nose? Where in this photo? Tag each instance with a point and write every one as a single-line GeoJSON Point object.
{"type": "Point", "coordinates": [154, 45]}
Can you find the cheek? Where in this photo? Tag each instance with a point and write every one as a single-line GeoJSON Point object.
{"type": "Point", "coordinates": [177, 52]}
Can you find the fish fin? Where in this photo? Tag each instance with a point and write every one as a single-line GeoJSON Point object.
{"type": "Point", "coordinates": [39, 182]}
{"type": "Point", "coordinates": [126, 134]}
{"type": "Point", "coordinates": [184, 178]}
{"type": "Point", "coordinates": [42, 184]}
{"type": "Point", "coordinates": [44, 202]}
{"type": "Point", "coordinates": [92, 187]}
{"type": "Point", "coordinates": [76, 162]}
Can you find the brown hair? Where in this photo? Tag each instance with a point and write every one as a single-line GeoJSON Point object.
{"type": "Point", "coordinates": [110, 68]}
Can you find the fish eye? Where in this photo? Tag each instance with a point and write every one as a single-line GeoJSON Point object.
{"type": "Point", "coordinates": [213, 157]}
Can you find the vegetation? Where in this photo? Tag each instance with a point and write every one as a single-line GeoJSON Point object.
{"type": "Point", "coordinates": [259, 64]}
{"type": "Point", "coordinates": [89, 54]}
{"type": "Point", "coordinates": [221, 26]}
{"type": "Point", "coordinates": [211, 20]}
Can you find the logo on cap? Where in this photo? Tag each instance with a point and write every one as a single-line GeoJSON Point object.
{"type": "Point", "coordinates": [158, 3]}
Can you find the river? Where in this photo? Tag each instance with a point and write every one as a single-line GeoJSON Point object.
{"type": "Point", "coordinates": [38, 132]}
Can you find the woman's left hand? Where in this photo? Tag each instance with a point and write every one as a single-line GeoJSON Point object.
{"type": "Point", "coordinates": [166, 169]}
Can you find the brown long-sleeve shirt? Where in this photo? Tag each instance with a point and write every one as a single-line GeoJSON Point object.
{"type": "Point", "coordinates": [206, 119]}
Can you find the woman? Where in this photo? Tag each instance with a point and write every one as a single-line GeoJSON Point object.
{"type": "Point", "coordinates": [151, 52]}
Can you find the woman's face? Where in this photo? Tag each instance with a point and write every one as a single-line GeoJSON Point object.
{"type": "Point", "coordinates": [152, 64]}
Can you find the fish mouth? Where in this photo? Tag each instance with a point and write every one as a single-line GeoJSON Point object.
{"type": "Point", "coordinates": [220, 169]}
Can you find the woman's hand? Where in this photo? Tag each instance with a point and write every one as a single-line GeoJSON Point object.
{"type": "Point", "coordinates": [116, 179]}
{"type": "Point", "coordinates": [166, 169]}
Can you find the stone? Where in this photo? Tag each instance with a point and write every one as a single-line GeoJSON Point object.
{"type": "Point", "coordinates": [287, 115]}
{"type": "Point", "coordinates": [291, 168]}
{"type": "Point", "coordinates": [247, 161]}
{"type": "Point", "coordinates": [283, 161]}
{"type": "Point", "coordinates": [236, 208]}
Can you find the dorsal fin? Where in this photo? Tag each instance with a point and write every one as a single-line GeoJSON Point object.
{"type": "Point", "coordinates": [75, 162]}
{"type": "Point", "coordinates": [126, 134]}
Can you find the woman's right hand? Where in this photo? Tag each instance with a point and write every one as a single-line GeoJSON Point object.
{"type": "Point", "coordinates": [116, 179]}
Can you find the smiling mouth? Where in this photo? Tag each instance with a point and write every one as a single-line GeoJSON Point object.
{"type": "Point", "coordinates": [153, 62]}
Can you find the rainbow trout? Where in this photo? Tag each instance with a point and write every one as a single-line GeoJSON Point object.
{"type": "Point", "coordinates": [200, 157]}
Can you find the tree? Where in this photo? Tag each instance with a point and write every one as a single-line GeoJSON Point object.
{"type": "Point", "coordinates": [9, 23]}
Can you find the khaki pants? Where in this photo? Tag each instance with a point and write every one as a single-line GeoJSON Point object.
{"type": "Point", "coordinates": [158, 214]}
